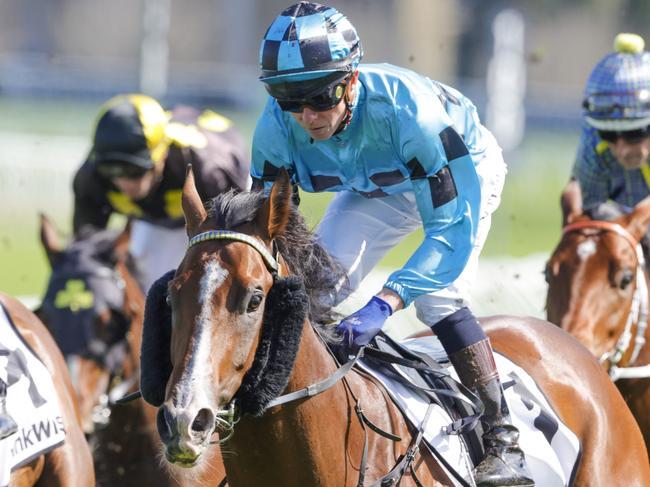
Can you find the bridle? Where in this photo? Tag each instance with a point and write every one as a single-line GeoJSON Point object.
{"type": "Point", "coordinates": [99, 351]}
{"type": "Point", "coordinates": [273, 265]}
{"type": "Point", "coordinates": [118, 386]}
{"type": "Point", "coordinates": [638, 311]}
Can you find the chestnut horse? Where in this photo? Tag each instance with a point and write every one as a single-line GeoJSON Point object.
{"type": "Point", "coordinates": [94, 308]}
{"type": "Point", "coordinates": [71, 463]}
{"type": "Point", "coordinates": [230, 295]}
{"type": "Point", "coordinates": [598, 292]}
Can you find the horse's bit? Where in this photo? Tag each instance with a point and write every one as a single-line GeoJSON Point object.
{"type": "Point", "coordinates": [638, 311]}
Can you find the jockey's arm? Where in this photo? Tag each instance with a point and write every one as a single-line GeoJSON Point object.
{"type": "Point", "coordinates": [448, 196]}
{"type": "Point", "coordinates": [450, 217]}
{"type": "Point", "coordinates": [90, 206]}
{"type": "Point", "coordinates": [392, 298]}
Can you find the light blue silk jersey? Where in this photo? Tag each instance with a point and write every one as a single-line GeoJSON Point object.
{"type": "Point", "coordinates": [407, 134]}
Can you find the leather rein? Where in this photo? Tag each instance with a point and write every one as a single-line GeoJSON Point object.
{"type": "Point", "coordinates": [638, 311]}
{"type": "Point", "coordinates": [405, 463]}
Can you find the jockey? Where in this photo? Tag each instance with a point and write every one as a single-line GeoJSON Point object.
{"type": "Point", "coordinates": [402, 152]}
{"type": "Point", "coordinates": [137, 168]}
{"type": "Point", "coordinates": [614, 148]}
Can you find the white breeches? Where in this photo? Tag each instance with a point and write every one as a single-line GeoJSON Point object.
{"type": "Point", "coordinates": [156, 249]}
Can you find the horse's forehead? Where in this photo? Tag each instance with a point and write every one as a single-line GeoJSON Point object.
{"type": "Point", "coordinates": [239, 258]}
{"type": "Point", "coordinates": [601, 246]}
{"type": "Point", "coordinates": [213, 276]}
{"type": "Point", "coordinates": [586, 248]}
{"type": "Point", "coordinates": [207, 269]}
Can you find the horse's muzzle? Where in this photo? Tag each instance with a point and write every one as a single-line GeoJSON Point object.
{"type": "Point", "coordinates": [185, 434]}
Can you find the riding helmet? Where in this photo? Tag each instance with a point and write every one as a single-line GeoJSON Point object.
{"type": "Point", "coordinates": [308, 41]}
{"type": "Point", "coordinates": [617, 94]}
{"type": "Point", "coordinates": [130, 129]}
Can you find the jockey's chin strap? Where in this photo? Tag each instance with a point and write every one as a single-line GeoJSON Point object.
{"type": "Point", "coordinates": [638, 311]}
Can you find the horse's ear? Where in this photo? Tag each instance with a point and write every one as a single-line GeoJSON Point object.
{"type": "Point", "coordinates": [49, 239]}
{"type": "Point", "coordinates": [121, 244]}
{"type": "Point", "coordinates": [193, 209]}
{"type": "Point", "coordinates": [638, 220]}
{"type": "Point", "coordinates": [274, 214]}
{"type": "Point", "coordinates": [571, 202]}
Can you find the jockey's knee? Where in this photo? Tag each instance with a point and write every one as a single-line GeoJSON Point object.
{"type": "Point", "coordinates": [431, 308]}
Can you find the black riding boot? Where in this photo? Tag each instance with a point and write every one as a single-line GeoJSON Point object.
{"type": "Point", "coordinates": [504, 463]}
{"type": "Point", "coordinates": [7, 424]}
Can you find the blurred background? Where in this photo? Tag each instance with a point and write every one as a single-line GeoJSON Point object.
{"type": "Point", "coordinates": [523, 64]}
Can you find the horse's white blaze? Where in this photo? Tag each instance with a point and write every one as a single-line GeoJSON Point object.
{"type": "Point", "coordinates": [196, 378]}
{"type": "Point", "coordinates": [586, 249]}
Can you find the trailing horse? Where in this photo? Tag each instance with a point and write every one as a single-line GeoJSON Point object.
{"type": "Point", "coordinates": [598, 291]}
{"type": "Point", "coordinates": [94, 308]}
{"type": "Point", "coordinates": [71, 462]}
{"type": "Point", "coordinates": [243, 332]}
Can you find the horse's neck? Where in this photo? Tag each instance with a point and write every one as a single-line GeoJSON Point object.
{"type": "Point", "coordinates": [297, 443]}
{"type": "Point", "coordinates": [134, 309]}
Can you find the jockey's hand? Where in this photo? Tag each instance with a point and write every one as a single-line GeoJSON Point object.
{"type": "Point", "coordinates": [361, 327]}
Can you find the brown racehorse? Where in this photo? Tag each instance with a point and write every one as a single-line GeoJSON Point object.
{"type": "Point", "coordinates": [71, 463]}
{"type": "Point", "coordinates": [224, 301]}
{"type": "Point", "coordinates": [93, 294]}
{"type": "Point", "coordinates": [598, 292]}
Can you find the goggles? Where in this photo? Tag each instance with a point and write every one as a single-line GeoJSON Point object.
{"type": "Point", "coordinates": [630, 136]}
{"type": "Point", "coordinates": [618, 105]}
{"type": "Point", "coordinates": [319, 94]}
{"type": "Point", "coordinates": [120, 169]}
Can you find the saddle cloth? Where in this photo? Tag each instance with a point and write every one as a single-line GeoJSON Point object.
{"type": "Point", "coordinates": [552, 450]}
{"type": "Point", "coordinates": [31, 402]}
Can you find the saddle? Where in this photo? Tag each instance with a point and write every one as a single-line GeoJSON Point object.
{"type": "Point", "coordinates": [427, 377]}
{"type": "Point", "coordinates": [418, 376]}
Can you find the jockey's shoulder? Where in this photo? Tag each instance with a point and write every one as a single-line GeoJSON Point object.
{"type": "Point", "coordinates": [191, 127]}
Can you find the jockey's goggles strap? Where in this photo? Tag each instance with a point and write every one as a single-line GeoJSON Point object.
{"type": "Point", "coordinates": [270, 261]}
{"type": "Point", "coordinates": [305, 89]}
{"type": "Point", "coordinates": [614, 105]}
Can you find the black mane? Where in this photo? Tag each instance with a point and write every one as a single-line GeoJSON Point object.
{"type": "Point", "coordinates": [306, 258]}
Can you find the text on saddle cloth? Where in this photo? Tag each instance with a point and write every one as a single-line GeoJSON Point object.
{"type": "Point", "coordinates": [31, 402]}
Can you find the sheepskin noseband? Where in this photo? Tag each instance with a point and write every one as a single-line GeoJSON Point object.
{"type": "Point", "coordinates": [284, 315]}
{"type": "Point", "coordinates": [285, 312]}
{"type": "Point", "coordinates": [155, 360]}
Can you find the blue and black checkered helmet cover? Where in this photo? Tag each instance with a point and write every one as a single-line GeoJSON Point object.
{"type": "Point", "coordinates": [308, 41]}
{"type": "Point", "coordinates": [617, 93]}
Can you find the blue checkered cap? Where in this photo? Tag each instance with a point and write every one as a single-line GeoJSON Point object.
{"type": "Point", "coordinates": [308, 41]}
{"type": "Point", "coordinates": [617, 94]}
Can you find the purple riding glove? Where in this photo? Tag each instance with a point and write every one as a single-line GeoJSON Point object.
{"type": "Point", "coordinates": [362, 326]}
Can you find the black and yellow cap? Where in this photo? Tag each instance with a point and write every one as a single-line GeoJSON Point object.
{"type": "Point", "coordinates": [130, 129]}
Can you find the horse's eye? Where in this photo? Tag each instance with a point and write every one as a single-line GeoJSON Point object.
{"type": "Point", "coordinates": [625, 279]}
{"type": "Point", "coordinates": [255, 301]}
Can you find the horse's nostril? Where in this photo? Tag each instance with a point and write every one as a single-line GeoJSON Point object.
{"type": "Point", "coordinates": [204, 421]}
{"type": "Point", "coordinates": [164, 425]}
